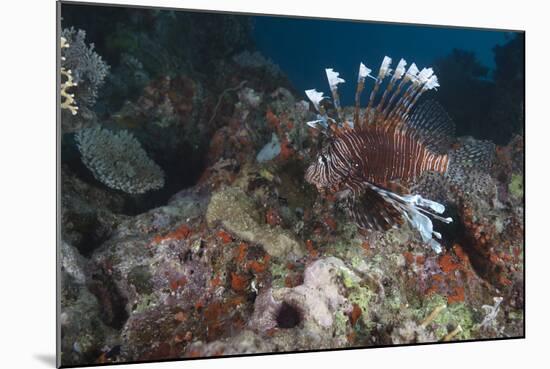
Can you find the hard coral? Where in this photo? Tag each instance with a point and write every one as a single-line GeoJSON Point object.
{"type": "Point", "coordinates": [85, 72]}
{"type": "Point", "coordinates": [118, 160]}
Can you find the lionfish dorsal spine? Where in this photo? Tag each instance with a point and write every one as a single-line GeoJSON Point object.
{"type": "Point", "coordinates": [363, 73]}
{"type": "Point", "coordinates": [383, 71]}
{"type": "Point", "coordinates": [398, 73]}
{"type": "Point", "coordinates": [333, 81]}
{"type": "Point", "coordinates": [419, 85]}
{"type": "Point", "coordinates": [322, 121]}
{"type": "Point", "coordinates": [409, 75]}
{"type": "Point", "coordinates": [391, 110]}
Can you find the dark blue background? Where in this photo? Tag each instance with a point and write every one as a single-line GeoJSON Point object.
{"type": "Point", "coordinates": [304, 47]}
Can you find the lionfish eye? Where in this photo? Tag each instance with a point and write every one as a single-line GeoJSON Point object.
{"type": "Point", "coordinates": [324, 159]}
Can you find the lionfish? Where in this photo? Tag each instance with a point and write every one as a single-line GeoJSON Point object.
{"type": "Point", "coordinates": [371, 161]}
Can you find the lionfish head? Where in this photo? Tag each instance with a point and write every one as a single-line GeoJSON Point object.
{"type": "Point", "coordinates": [325, 172]}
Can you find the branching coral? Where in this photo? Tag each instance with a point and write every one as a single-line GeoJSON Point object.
{"type": "Point", "coordinates": [68, 102]}
{"type": "Point", "coordinates": [118, 160]}
{"type": "Point", "coordinates": [88, 67]}
{"type": "Point", "coordinates": [491, 312]}
{"type": "Point", "coordinates": [84, 71]}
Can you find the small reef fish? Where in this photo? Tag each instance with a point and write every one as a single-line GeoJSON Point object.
{"type": "Point", "coordinates": [370, 161]}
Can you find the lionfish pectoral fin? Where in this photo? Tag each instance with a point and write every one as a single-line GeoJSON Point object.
{"type": "Point", "coordinates": [417, 211]}
{"type": "Point", "coordinates": [371, 211]}
{"type": "Point", "coordinates": [344, 194]}
{"type": "Point", "coordinates": [398, 187]}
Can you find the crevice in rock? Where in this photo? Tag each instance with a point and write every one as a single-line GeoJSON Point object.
{"type": "Point", "coordinates": [111, 301]}
{"type": "Point", "coordinates": [288, 316]}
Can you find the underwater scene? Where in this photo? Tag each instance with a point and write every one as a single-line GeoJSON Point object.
{"type": "Point", "coordinates": [243, 184]}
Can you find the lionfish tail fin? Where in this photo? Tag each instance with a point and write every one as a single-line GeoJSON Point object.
{"type": "Point", "coordinates": [401, 93]}
{"type": "Point", "coordinates": [418, 212]}
{"type": "Point", "coordinates": [469, 165]}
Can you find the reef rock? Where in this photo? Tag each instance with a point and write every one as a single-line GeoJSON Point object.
{"type": "Point", "coordinates": [237, 213]}
{"type": "Point", "coordinates": [246, 342]}
{"type": "Point", "coordinates": [82, 340]}
{"type": "Point", "coordinates": [88, 214]}
{"type": "Point", "coordinates": [313, 313]}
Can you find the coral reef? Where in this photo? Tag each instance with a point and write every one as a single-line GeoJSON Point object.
{"type": "Point", "coordinates": [81, 339]}
{"type": "Point", "coordinates": [495, 101]}
{"type": "Point", "coordinates": [250, 260]}
{"type": "Point", "coordinates": [85, 72]}
{"type": "Point", "coordinates": [88, 214]}
{"type": "Point", "coordinates": [238, 214]}
{"type": "Point", "coordinates": [68, 102]}
{"type": "Point", "coordinates": [227, 249]}
{"type": "Point", "coordinates": [118, 160]}
{"type": "Point", "coordinates": [255, 60]}
{"type": "Point", "coordinates": [202, 276]}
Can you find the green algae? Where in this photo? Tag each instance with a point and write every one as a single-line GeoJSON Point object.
{"type": "Point", "coordinates": [278, 274]}
{"type": "Point", "coordinates": [145, 303]}
{"type": "Point", "coordinates": [140, 278]}
{"type": "Point", "coordinates": [346, 245]}
{"type": "Point", "coordinates": [448, 319]}
{"type": "Point", "coordinates": [394, 303]}
{"type": "Point", "coordinates": [357, 293]}
{"type": "Point", "coordinates": [516, 186]}
{"type": "Point", "coordinates": [340, 323]}
{"type": "Point", "coordinates": [266, 174]}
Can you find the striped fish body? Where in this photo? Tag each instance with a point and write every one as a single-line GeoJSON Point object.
{"type": "Point", "coordinates": [383, 157]}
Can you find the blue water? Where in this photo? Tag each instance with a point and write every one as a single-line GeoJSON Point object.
{"type": "Point", "coordinates": [190, 43]}
{"type": "Point", "coordinates": [304, 47]}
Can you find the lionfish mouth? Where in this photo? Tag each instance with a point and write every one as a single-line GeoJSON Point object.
{"type": "Point", "coordinates": [323, 187]}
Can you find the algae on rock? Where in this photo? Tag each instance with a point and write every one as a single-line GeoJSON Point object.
{"type": "Point", "coordinates": [237, 213]}
{"type": "Point", "coordinates": [516, 186]}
